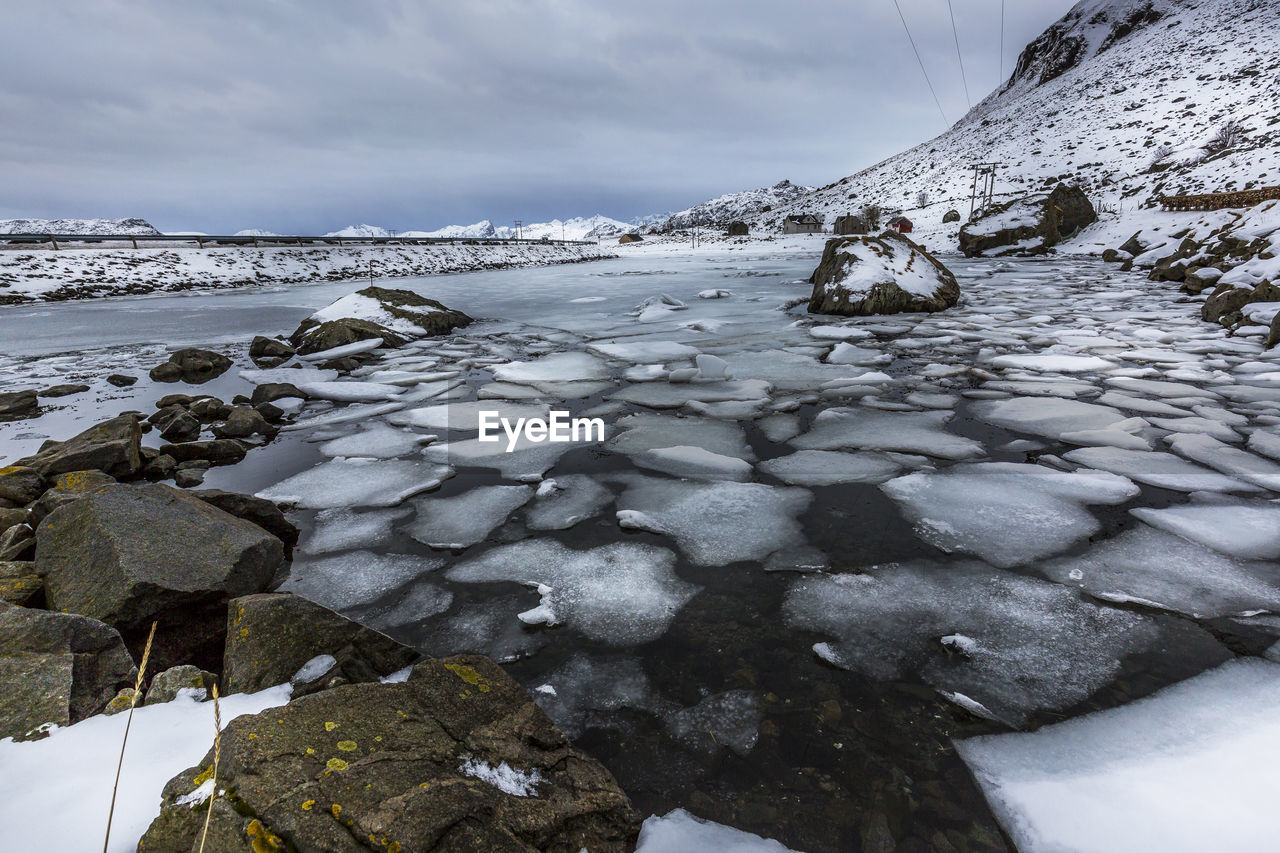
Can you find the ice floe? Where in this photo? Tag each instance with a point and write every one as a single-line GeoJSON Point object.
{"type": "Point", "coordinates": [906, 432]}
{"type": "Point", "coordinates": [357, 482]}
{"type": "Point", "coordinates": [465, 519]}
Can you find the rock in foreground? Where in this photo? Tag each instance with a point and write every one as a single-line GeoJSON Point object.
{"type": "Point", "coordinates": [456, 758]}
{"type": "Point", "coordinates": [56, 668]}
{"type": "Point", "coordinates": [884, 273]}
{"type": "Point", "coordinates": [1030, 225]}
{"type": "Point", "coordinates": [113, 447]}
{"type": "Point", "coordinates": [375, 312]}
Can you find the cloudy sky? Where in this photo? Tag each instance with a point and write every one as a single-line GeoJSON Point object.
{"type": "Point", "coordinates": [303, 116]}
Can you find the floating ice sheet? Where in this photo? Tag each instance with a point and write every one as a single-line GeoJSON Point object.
{"type": "Point", "coordinates": [358, 578]}
{"type": "Point", "coordinates": [1007, 513]}
{"type": "Point", "coordinates": [828, 467]}
{"type": "Point", "coordinates": [357, 482]}
{"type": "Point", "coordinates": [694, 463]}
{"type": "Point", "coordinates": [646, 431]}
{"type": "Point", "coordinates": [1244, 530]}
{"type": "Point", "coordinates": [465, 519]}
{"type": "Point", "coordinates": [1157, 469]}
{"type": "Point", "coordinates": [1231, 461]}
{"type": "Point", "coordinates": [620, 594]}
{"type": "Point", "coordinates": [375, 441]}
{"type": "Point", "coordinates": [1036, 645]}
{"type": "Point", "coordinates": [715, 523]}
{"type": "Point", "coordinates": [1167, 571]}
{"type": "Point", "coordinates": [1146, 776]}
{"type": "Point", "coordinates": [1049, 417]}
{"type": "Point", "coordinates": [343, 529]}
{"type": "Point", "coordinates": [562, 502]}
{"type": "Point", "coordinates": [645, 351]}
{"type": "Point", "coordinates": [906, 432]}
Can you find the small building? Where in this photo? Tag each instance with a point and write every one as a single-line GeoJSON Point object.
{"type": "Point", "coordinates": [851, 224]}
{"type": "Point", "coordinates": [900, 224]}
{"type": "Point", "coordinates": [803, 223]}
{"type": "Point", "coordinates": [630, 238]}
{"type": "Point", "coordinates": [738, 229]}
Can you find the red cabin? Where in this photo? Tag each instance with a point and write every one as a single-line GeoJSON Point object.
{"type": "Point", "coordinates": [900, 224]}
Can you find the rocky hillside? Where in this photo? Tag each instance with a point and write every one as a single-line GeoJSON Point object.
{"type": "Point", "coordinates": [132, 225]}
{"type": "Point", "coordinates": [734, 206]}
{"type": "Point", "coordinates": [1132, 98]}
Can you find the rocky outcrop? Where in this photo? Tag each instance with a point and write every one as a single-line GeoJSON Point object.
{"type": "Point", "coordinates": [880, 274]}
{"type": "Point", "coordinates": [375, 312]}
{"type": "Point", "coordinates": [113, 447]}
{"type": "Point", "coordinates": [456, 758]}
{"type": "Point", "coordinates": [194, 366]}
{"type": "Point", "coordinates": [272, 636]}
{"type": "Point", "coordinates": [1029, 225]}
{"type": "Point", "coordinates": [128, 555]}
{"type": "Point", "coordinates": [20, 485]}
{"type": "Point", "coordinates": [269, 352]}
{"type": "Point", "coordinates": [56, 668]}
{"type": "Point", "coordinates": [18, 404]}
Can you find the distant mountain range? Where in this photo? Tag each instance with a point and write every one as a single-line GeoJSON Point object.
{"type": "Point", "coordinates": [76, 226]}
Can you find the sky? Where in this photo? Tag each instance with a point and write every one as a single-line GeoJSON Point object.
{"type": "Point", "coordinates": [303, 116]}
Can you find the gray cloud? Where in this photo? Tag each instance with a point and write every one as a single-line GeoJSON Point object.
{"type": "Point", "coordinates": [305, 116]}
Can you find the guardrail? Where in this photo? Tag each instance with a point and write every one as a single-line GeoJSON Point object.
{"type": "Point", "coordinates": [1218, 201]}
{"type": "Point", "coordinates": [206, 240]}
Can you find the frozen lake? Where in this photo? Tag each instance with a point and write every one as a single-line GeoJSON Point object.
{"type": "Point", "coordinates": [811, 551]}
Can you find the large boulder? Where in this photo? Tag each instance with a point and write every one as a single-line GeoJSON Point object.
{"type": "Point", "coordinates": [128, 555]}
{"type": "Point", "coordinates": [113, 447]}
{"type": "Point", "coordinates": [259, 511]}
{"type": "Point", "coordinates": [884, 273]}
{"type": "Point", "coordinates": [457, 758]}
{"type": "Point", "coordinates": [18, 404]}
{"type": "Point", "coordinates": [1029, 225]}
{"type": "Point", "coordinates": [20, 485]}
{"type": "Point", "coordinates": [194, 366]}
{"type": "Point", "coordinates": [56, 668]}
{"type": "Point", "coordinates": [67, 488]}
{"type": "Point", "coordinates": [269, 352]}
{"type": "Point", "coordinates": [272, 636]}
{"type": "Point", "coordinates": [19, 583]}
{"type": "Point", "coordinates": [375, 312]}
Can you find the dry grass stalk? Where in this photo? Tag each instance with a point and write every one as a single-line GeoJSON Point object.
{"type": "Point", "coordinates": [133, 701]}
{"type": "Point", "coordinates": [217, 754]}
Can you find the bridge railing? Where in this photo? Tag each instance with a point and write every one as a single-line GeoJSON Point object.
{"type": "Point", "coordinates": [206, 240]}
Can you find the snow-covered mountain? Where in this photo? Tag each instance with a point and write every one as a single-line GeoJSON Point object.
{"type": "Point", "coordinates": [1131, 98]}
{"type": "Point", "coordinates": [577, 228]}
{"type": "Point", "coordinates": [131, 225]}
{"type": "Point", "coordinates": [733, 206]}
{"type": "Point", "coordinates": [360, 231]}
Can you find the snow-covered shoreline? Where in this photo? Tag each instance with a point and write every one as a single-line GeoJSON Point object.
{"type": "Point", "coordinates": [33, 275]}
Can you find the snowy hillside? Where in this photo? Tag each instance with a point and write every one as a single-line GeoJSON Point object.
{"type": "Point", "coordinates": [577, 228]}
{"type": "Point", "coordinates": [132, 225]}
{"type": "Point", "coordinates": [482, 230]}
{"type": "Point", "coordinates": [734, 206]}
{"type": "Point", "coordinates": [359, 231]}
{"type": "Point", "coordinates": [1129, 97]}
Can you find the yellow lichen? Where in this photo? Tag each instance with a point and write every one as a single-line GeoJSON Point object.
{"type": "Point", "coordinates": [336, 764]}
{"type": "Point", "coordinates": [469, 675]}
{"type": "Point", "coordinates": [261, 839]}
{"type": "Point", "coordinates": [204, 776]}
{"type": "Point", "coordinates": [330, 726]}
{"type": "Point", "coordinates": [347, 745]}
{"type": "Point", "coordinates": [306, 807]}
{"type": "Point", "coordinates": [336, 809]}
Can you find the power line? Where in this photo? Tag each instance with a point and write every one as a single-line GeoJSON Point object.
{"type": "Point", "coordinates": [920, 62]}
{"type": "Point", "coordinates": [955, 35]}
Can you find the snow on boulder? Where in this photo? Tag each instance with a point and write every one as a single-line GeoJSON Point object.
{"type": "Point", "coordinates": [375, 312]}
{"type": "Point", "coordinates": [1028, 225]}
{"type": "Point", "coordinates": [884, 273]}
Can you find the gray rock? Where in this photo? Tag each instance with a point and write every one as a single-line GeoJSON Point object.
{"type": "Point", "coordinates": [188, 478]}
{"type": "Point", "coordinates": [191, 365]}
{"type": "Point", "coordinates": [270, 391]}
{"type": "Point", "coordinates": [257, 511]}
{"type": "Point", "coordinates": [269, 352]}
{"type": "Point", "coordinates": [209, 409]}
{"type": "Point", "coordinates": [844, 256]}
{"type": "Point", "coordinates": [18, 404]}
{"type": "Point", "coordinates": [129, 555]}
{"type": "Point", "coordinates": [1028, 225]}
{"type": "Point", "coordinates": [161, 468]}
{"type": "Point", "coordinates": [113, 447]}
{"type": "Point", "coordinates": [243, 422]}
{"type": "Point", "coordinates": [218, 451]}
{"type": "Point", "coordinates": [181, 426]}
{"type": "Point", "coordinates": [952, 215]}
{"type": "Point", "coordinates": [165, 685]}
{"type": "Point", "coordinates": [17, 543]}
{"type": "Point", "coordinates": [67, 488]}
{"type": "Point", "coordinates": [399, 766]}
{"type": "Point", "coordinates": [56, 668]}
{"type": "Point", "coordinates": [63, 390]}
{"type": "Point", "coordinates": [1273, 336]}
{"type": "Point", "coordinates": [271, 636]}
{"type": "Point", "coordinates": [428, 315]}
{"type": "Point", "coordinates": [19, 583]}
{"type": "Point", "coordinates": [20, 485]}
{"type": "Point", "coordinates": [120, 380]}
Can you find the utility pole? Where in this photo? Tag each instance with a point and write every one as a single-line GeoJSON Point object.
{"type": "Point", "coordinates": [983, 189]}
{"type": "Point", "coordinates": [519, 224]}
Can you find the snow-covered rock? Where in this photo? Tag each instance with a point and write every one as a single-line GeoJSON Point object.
{"type": "Point", "coordinates": [881, 274]}
{"type": "Point", "coordinates": [132, 225]}
{"type": "Point", "coordinates": [1029, 225]}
